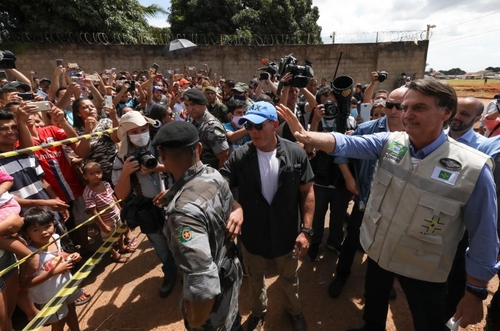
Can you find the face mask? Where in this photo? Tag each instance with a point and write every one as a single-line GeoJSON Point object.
{"type": "Point", "coordinates": [239, 97]}
{"type": "Point", "coordinates": [354, 112]}
{"type": "Point", "coordinates": [235, 122]}
{"type": "Point", "coordinates": [140, 140]}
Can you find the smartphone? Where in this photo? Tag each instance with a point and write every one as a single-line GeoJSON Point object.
{"type": "Point", "coordinates": [59, 62]}
{"type": "Point", "coordinates": [365, 111]}
{"type": "Point", "coordinates": [170, 72]}
{"type": "Point", "coordinates": [123, 73]}
{"type": "Point", "coordinates": [73, 65]}
{"type": "Point", "coordinates": [75, 79]}
{"type": "Point", "coordinates": [42, 105]}
{"type": "Point", "coordinates": [108, 101]}
{"type": "Point", "coordinates": [263, 76]}
{"type": "Point", "coordinates": [26, 96]}
{"type": "Point", "coordinates": [92, 77]}
{"type": "Point", "coordinates": [191, 68]}
{"type": "Point", "coordinates": [107, 71]}
{"type": "Point", "coordinates": [155, 68]}
{"type": "Point", "coordinates": [3, 75]}
{"type": "Point", "coordinates": [159, 76]}
{"type": "Point", "coordinates": [132, 85]}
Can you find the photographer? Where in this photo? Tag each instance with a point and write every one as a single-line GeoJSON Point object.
{"type": "Point", "coordinates": [334, 183]}
{"type": "Point", "coordinates": [136, 176]}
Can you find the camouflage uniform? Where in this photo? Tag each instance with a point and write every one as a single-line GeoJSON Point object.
{"type": "Point", "coordinates": [213, 138]}
{"type": "Point", "coordinates": [199, 204]}
{"type": "Point", "coordinates": [219, 110]}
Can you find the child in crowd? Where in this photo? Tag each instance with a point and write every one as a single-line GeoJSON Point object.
{"type": "Point", "coordinates": [9, 213]}
{"type": "Point", "coordinates": [98, 195]}
{"type": "Point", "coordinates": [53, 268]}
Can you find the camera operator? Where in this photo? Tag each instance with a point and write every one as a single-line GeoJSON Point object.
{"type": "Point", "coordinates": [334, 183]}
{"type": "Point", "coordinates": [267, 82]}
{"type": "Point", "coordinates": [136, 173]}
{"type": "Point", "coordinates": [289, 97]}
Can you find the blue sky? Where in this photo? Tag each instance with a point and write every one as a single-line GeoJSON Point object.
{"type": "Point", "coordinates": [465, 36]}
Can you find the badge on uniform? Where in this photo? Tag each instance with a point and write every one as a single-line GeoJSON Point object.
{"type": "Point", "coordinates": [444, 175]}
{"type": "Point", "coordinates": [184, 234]}
{"type": "Point", "coordinates": [396, 151]}
{"type": "Point", "coordinates": [219, 133]}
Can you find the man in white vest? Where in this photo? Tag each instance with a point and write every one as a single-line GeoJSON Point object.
{"type": "Point", "coordinates": [427, 190]}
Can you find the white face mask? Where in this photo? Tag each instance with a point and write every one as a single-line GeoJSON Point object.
{"type": "Point", "coordinates": [139, 140]}
{"type": "Point", "coordinates": [235, 121]}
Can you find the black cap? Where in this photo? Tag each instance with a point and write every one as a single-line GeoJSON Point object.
{"type": "Point", "coordinates": [12, 87]}
{"type": "Point", "coordinates": [497, 96]}
{"type": "Point", "coordinates": [177, 134]}
{"type": "Point", "coordinates": [195, 96]}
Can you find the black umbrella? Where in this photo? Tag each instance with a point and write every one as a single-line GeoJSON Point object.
{"type": "Point", "coordinates": [179, 46]}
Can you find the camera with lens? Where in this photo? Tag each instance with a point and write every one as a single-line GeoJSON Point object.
{"type": "Point", "coordinates": [382, 75]}
{"type": "Point", "coordinates": [331, 110]}
{"type": "Point", "coordinates": [300, 73]}
{"type": "Point", "coordinates": [271, 68]}
{"type": "Point", "coordinates": [145, 158]}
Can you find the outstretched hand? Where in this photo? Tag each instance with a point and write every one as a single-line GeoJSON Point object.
{"type": "Point", "coordinates": [293, 122]}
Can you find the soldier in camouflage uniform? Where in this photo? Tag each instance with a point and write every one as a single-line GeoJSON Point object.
{"type": "Point", "coordinates": [211, 132]}
{"type": "Point", "coordinates": [214, 105]}
{"type": "Point", "coordinates": [199, 205]}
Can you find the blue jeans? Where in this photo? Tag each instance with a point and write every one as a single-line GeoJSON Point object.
{"type": "Point", "coordinates": [160, 245]}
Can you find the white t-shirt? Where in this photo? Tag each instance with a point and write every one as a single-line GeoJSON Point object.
{"type": "Point", "coordinates": [268, 167]}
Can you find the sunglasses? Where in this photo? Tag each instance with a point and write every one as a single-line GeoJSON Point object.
{"type": "Point", "coordinates": [389, 105]}
{"type": "Point", "coordinates": [249, 126]}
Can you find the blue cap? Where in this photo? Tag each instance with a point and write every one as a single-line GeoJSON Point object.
{"type": "Point", "coordinates": [259, 112]}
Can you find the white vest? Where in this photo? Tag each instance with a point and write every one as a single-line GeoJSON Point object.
{"type": "Point", "coordinates": [413, 221]}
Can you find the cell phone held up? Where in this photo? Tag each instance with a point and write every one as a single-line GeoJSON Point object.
{"type": "Point", "coordinates": [131, 84]}
{"type": "Point", "coordinates": [42, 105]}
{"type": "Point", "coordinates": [108, 101]}
{"type": "Point", "coordinates": [59, 62]}
{"type": "Point", "coordinates": [26, 96]}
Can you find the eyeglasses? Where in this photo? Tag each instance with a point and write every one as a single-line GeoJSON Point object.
{"type": "Point", "coordinates": [389, 105]}
{"type": "Point", "coordinates": [6, 128]}
{"type": "Point", "coordinates": [249, 126]}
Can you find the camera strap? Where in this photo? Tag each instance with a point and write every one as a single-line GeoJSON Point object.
{"type": "Point", "coordinates": [134, 181]}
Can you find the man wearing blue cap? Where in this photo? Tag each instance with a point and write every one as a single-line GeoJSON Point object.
{"type": "Point", "coordinates": [274, 181]}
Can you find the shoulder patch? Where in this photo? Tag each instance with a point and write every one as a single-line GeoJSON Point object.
{"type": "Point", "coordinates": [184, 234]}
{"type": "Point", "coordinates": [219, 133]}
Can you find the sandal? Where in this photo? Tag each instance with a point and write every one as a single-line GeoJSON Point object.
{"type": "Point", "coordinates": [120, 259]}
{"type": "Point", "coordinates": [83, 299]}
{"type": "Point", "coordinates": [131, 243]}
{"type": "Point", "coordinates": [127, 250]}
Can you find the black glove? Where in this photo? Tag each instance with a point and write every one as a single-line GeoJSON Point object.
{"type": "Point", "coordinates": [7, 60]}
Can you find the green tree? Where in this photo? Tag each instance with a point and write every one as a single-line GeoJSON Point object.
{"type": "Point", "coordinates": [494, 69]}
{"type": "Point", "coordinates": [453, 71]}
{"type": "Point", "coordinates": [244, 18]}
{"type": "Point", "coordinates": [125, 17]}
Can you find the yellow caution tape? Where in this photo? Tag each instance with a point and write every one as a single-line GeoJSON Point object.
{"type": "Point", "coordinates": [33, 149]}
{"type": "Point", "coordinates": [72, 285]}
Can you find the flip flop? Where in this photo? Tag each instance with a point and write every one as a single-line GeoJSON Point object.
{"type": "Point", "coordinates": [86, 298]}
{"type": "Point", "coordinates": [120, 259]}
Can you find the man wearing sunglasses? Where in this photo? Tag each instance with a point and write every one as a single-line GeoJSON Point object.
{"type": "Point", "coordinates": [274, 181]}
{"type": "Point", "coordinates": [427, 190]}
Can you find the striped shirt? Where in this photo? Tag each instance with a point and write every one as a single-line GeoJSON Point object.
{"type": "Point", "coordinates": [27, 174]}
{"type": "Point", "coordinates": [101, 200]}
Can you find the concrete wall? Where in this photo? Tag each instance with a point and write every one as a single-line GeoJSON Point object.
{"type": "Point", "coordinates": [237, 62]}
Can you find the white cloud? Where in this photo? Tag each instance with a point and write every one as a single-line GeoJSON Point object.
{"type": "Point", "coordinates": [465, 36]}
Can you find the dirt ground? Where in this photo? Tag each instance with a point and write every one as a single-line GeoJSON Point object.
{"type": "Point", "coordinates": [125, 297]}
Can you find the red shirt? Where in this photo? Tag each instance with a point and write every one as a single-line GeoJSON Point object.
{"type": "Point", "coordinates": [58, 170]}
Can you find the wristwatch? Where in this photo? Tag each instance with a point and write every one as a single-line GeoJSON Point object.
{"type": "Point", "coordinates": [309, 231]}
{"type": "Point", "coordinates": [478, 291]}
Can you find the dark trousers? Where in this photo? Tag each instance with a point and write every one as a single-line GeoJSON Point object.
{"type": "Point", "coordinates": [338, 199]}
{"type": "Point", "coordinates": [425, 299]}
{"type": "Point", "coordinates": [456, 279]}
{"type": "Point", "coordinates": [351, 243]}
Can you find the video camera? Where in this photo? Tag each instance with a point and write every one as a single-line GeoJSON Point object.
{"type": "Point", "coordinates": [382, 75]}
{"type": "Point", "coordinates": [7, 60]}
{"type": "Point", "coordinates": [145, 158]}
{"type": "Point", "coordinates": [271, 68]}
{"type": "Point", "coordinates": [300, 73]}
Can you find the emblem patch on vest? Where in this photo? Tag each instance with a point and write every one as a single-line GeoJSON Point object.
{"type": "Point", "coordinates": [451, 164]}
{"type": "Point", "coordinates": [184, 234]}
{"type": "Point", "coordinates": [445, 175]}
{"type": "Point", "coordinates": [396, 151]}
{"type": "Point", "coordinates": [432, 225]}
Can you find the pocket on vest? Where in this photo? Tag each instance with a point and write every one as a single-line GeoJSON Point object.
{"type": "Point", "coordinates": [379, 188]}
{"type": "Point", "coordinates": [416, 257]}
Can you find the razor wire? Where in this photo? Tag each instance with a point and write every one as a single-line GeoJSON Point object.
{"type": "Point", "coordinates": [156, 38]}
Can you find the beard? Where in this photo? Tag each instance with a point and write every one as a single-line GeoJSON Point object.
{"type": "Point", "coordinates": [461, 126]}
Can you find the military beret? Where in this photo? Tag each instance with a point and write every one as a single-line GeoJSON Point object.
{"type": "Point", "coordinates": [177, 134]}
{"type": "Point", "coordinates": [196, 96]}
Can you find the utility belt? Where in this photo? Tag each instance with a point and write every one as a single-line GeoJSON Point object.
{"type": "Point", "coordinates": [228, 270]}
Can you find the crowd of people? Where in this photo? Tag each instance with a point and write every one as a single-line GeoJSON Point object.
{"type": "Point", "coordinates": [223, 177]}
